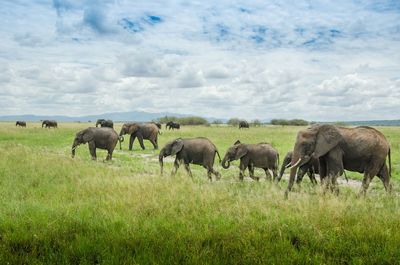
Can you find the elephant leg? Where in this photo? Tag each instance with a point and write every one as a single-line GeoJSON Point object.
{"type": "Point", "coordinates": [274, 174]}
{"type": "Point", "coordinates": [250, 167]}
{"type": "Point", "coordinates": [154, 143]}
{"type": "Point", "coordinates": [311, 175]}
{"type": "Point", "coordinates": [131, 140]}
{"type": "Point", "coordinates": [385, 178]}
{"type": "Point", "coordinates": [365, 184]}
{"type": "Point", "coordinates": [334, 185]}
{"type": "Point", "coordinates": [268, 174]}
{"type": "Point", "coordinates": [187, 167]}
{"type": "Point", "coordinates": [176, 166]}
{"type": "Point", "coordinates": [241, 173]}
{"type": "Point", "coordinates": [140, 138]}
{"type": "Point", "coordinates": [216, 173]}
{"type": "Point", "coordinates": [92, 149]}
{"type": "Point", "coordinates": [109, 155]}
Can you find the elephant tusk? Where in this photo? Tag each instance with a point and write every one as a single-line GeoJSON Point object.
{"type": "Point", "coordinates": [288, 165]}
{"type": "Point", "coordinates": [296, 164]}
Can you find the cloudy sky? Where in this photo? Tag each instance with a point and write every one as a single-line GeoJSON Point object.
{"type": "Point", "coordinates": [316, 60]}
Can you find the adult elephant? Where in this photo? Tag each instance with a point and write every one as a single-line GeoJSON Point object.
{"type": "Point", "coordinates": [311, 168]}
{"type": "Point", "coordinates": [105, 123]}
{"type": "Point", "coordinates": [49, 124]}
{"type": "Point", "coordinates": [103, 138]}
{"type": "Point", "coordinates": [198, 151]}
{"type": "Point", "coordinates": [172, 125]}
{"type": "Point", "coordinates": [147, 131]}
{"type": "Point", "coordinates": [361, 149]}
{"type": "Point", "coordinates": [243, 124]}
{"type": "Point", "coordinates": [261, 155]}
{"type": "Point", "coordinates": [20, 123]}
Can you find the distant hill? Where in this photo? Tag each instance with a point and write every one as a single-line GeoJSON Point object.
{"type": "Point", "coordinates": [139, 116]}
{"type": "Point", "coordinates": [372, 123]}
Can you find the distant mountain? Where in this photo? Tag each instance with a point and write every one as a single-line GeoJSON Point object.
{"type": "Point", "coordinates": [373, 123]}
{"type": "Point", "coordinates": [139, 116]}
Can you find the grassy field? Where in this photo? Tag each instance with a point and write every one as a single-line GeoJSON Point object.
{"type": "Point", "coordinates": [59, 210]}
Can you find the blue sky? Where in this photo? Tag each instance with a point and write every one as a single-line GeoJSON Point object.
{"type": "Point", "coordinates": [316, 60]}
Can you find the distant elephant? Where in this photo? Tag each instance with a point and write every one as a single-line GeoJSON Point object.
{"type": "Point", "coordinates": [260, 155]}
{"type": "Point", "coordinates": [172, 125]}
{"type": "Point", "coordinates": [243, 124]}
{"type": "Point", "coordinates": [361, 149]}
{"type": "Point", "coordinates": [49, 124]}
{"type": "Point", "coordinates": [198, 151]}
{"type": "Point", "coordinates": [20, 123]}
{"type": "Point", "coordinates": [103, 138]}
{"type": "Point", "coordinates": [105, 123]}
{"type": "Point", "coordinates": [147, 131]}
{"type": "Point", "coordinates": [311, 168]}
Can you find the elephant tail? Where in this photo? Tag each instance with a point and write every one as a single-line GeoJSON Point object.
{"type": "Point", "coordinates": [219, 157]}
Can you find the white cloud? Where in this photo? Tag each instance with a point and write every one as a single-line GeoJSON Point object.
{"type": "Point", "coordinates": [313, 60]}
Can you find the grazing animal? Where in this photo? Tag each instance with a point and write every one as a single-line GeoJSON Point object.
{"type": "Point", "coordinates": [105, 123]}
{"type": "Point", "coordinates": [49, 124]}
{"type": "Point", "coordinates": [172, 125]}
{"type": "Point", "coordinates": [20, 123]}
{"type": "Point", "coordinates": [361, 149]}
{"type": "Point", "coordinates": [147, 131]}
{"type": "Point", "coordinates": [311, 168]}
{"type": "Point", "coordinates": [198, 151]}
{"type": "Point", "coordinates": [260, 155]}
{"type": "Point", "coordinates": [102, 138]}
{"type": "Point", "coordinates": [243, 124]}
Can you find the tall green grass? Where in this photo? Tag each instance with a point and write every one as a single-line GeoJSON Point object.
{"type": "Point", "coordinates": [59, 210]}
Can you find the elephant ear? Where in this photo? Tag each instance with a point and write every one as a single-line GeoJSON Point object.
{"type": "Point", "coordinates": [328, 137]}
{"type": "Point", "coordinates": [237, 142]}
{"type": "Point", "coordinates": [176, 146]}
{"type": "Point", "coordinates": [133, 128]}
{"type": "Point", "coordinates": [87, 136]}
{"type": "Point", "coordinates": [240, 151]}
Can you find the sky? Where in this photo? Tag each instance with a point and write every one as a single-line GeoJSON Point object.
{"type": "Point", "coordinates": [316, 60]}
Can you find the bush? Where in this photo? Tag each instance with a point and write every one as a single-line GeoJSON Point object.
{"type": "Point", "coordinates": [191, 120]}
{"type": "Point", "coordinates": [295, 122]}
{"type": "Point", "coordinates": [256, 123]}
{"type": "Point", "coordinates": [233, 121]}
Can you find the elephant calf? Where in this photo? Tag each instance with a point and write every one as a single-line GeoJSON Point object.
{"type": "Point", "coordinates": [260, 155]}
{"type": "Point", "coordinates": [198, 151]}
{"type": "Point", "coordinates": [103, 138]}
{"type": "Point", "coordinates": [310, 168]}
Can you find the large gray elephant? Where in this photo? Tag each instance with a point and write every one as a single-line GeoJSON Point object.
{"type": "Point", "coordinates": [103, 138]}
{"type": "Point", "coordinates": [243, 124]}
{"type": "Point", "coordinates": [311, 168]}
{"type": "Point", "coordinates": [198, 151]}
{"type": "Point", "coordinates": [261, 155]}
{"type": "Point", "coordinates": [105, 123]}
{"type": "Point", "coordinates": [20, 123]}
{"type": "Point", "coordinates": [361, 149]}
{"type": "Point", "coordinates": [49, 124]}
{"type": "Point", "coordinates": [148, 131]}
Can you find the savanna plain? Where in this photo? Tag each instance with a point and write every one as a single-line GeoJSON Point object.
{"type": "Point", "coordinates": [59, 210]}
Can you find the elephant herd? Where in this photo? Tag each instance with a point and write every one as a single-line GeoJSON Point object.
{"type": "Point", "coordinates": [327, 150]}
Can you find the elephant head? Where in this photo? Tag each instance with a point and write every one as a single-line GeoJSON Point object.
{"type": "Point", "coordinates": [129, 128]}
{"type": "Point", "coordinates": [81, 137]}
{"type": "Point", "coordinates": [234, 152]}
{"type": "Point", "coordinates": [313, 142]}
{"type": "Point", "coordinates": [170, 149]}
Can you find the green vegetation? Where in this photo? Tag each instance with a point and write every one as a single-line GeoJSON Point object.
{"type": "Point", "coordinates": [59, 210]}
{"type": "Point", "coordinates": [191, 120]}
{"type": "Point", "coordinates": [295, 122]}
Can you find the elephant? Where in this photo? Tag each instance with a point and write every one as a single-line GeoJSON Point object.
{"type": "Point", "coordinates": [360, 149]}
{"type": "Point", "coordinates": [243, 124]}
{"type": "Point", "coordinates": [261, 155]}
{"type": "Point", "coordinates": [105, 123]}
{"type": "Point", "coordinates": [148, 131]}
{"type": "Point", "coordinates": [310, 168]}
{"type": "Point", "coordinates": [20, 123]}
{"type": "Point", "coordinates": [172, 125]}
{"type": "Point", "coordinates": [49, 124]}
{"type": "Point", "coordinates": [198, 151]}
{"type": "Point", "coordinates": [103, 138]}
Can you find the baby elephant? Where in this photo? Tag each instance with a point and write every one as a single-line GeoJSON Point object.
{"type": "Point", "coordinates": [260, 155]}
{"type": "Point", "coordinates": [198, 151]}
{"type": "Point", "coordinates": [103, 138]}
{"type": "Point", "coordinates": [311, 168]}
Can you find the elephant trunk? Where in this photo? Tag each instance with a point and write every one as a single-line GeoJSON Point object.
{"type": "Point", "coordinates": [74, 146]}
{"type": "Point", "coordinates": [296, 161]}
{"type": "Point", "coordinates": [284, 164]}
{"type": "Point", "coordinates": [120, 139]}
{"type": "Point", "coordinates": [160, 160]}
{"type": "Point", "coordinates": [224, 161]}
